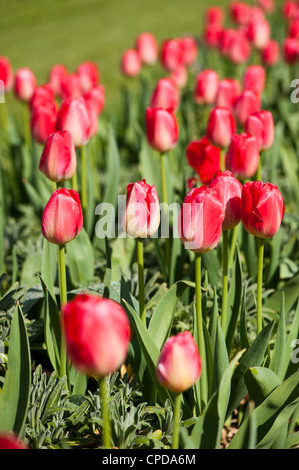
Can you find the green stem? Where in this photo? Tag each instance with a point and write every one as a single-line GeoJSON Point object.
{"type": "Point", "coordinates": [105, 413]}
{"type": "Point", "coordinates": [63, 301]}
{"type": "Point", "coordinates": [233, 245]}
{"type": "Point", "coordinates": [163, 178]}
{"type": "Point", "coordinates": [222, 159]}
{"type": "Point", "coordinates": [26, 126]}
{"type": "Point", "coordinates": [176, 420]}
{"type": "Point", "coordinates": [83, 181]}
{"type": "Point", "coordinates": [224, 280]}
{"type": "Point", "coordinates": [261, 243]}
{"type": "Point", "coordinates": [74, 181]}
{"type": "Point", "coordinates": [199, 326]}
{"type": "Point", "coordinates": [141, 279]}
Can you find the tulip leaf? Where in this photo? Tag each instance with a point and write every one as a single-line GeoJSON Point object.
{"type": "Point", "coordinates": [260, 382]}
{"type": "Point", "coordinates": [221, 360]}
{"type": "Point", "coordinates": [290, 366]}
{"type": "Point", "coordinates": [291, 291]}
{"type": "Point", "coordinates": [80, 259]}
{"type": "Point", "coordinates": [14, 399]}
{"type": "Point", "coordinates": [49, 265]}
{"type": "Point", "coordinates": [279, 350]}
{"type": "Point", "coordinates": [234, 300]}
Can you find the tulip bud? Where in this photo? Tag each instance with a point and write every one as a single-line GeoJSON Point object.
{"type": "Point", "coordinates": [261, 125]}
{"type": "Point", "coordinates": [73, 116]}
{"type": "Point", "coordinates": [259, 32]}
{"type": "Point", "coordinates": [71, 86]}
{"type": "Point", "coordinates": [97, 332]}
{"type": "Point", "coordinates": [214, 15]}
{"type": "Point", "coordinates": [240, 12]}
{"type": "Point", "coordinates": [230, 193]}
{"type": "Point", "coordinates": [141, 218]}
{"type": "Point", "coordinates": [58, 161]}
{"type": "Point", "coordinates": [43, 95]}
{"type": "Point", "coordinates": [171, 54]}
{"type": "Point", "coordinates": [62, 219]}
{"type": "Point", "coordinates": [242, 156]}
{"type": "Point", "coordinates": [262, 208]}
{"type": "Point", "coordinates": [179, 365]}
{"type": "Point", "coordinates": [228, 90]}
{"type": "Point", "coordinates": [6, 73]}
{"type": "Point", "coordinates": [200, 220]}
{"type": "Point", "coordinates": [204, 158]}
{"type": "Point", "coordinates": [254, 78]}
{"type": "Point", "coordinates": [221, 127]}
{"type": "Point", "coordinates": [290, 50]}
{"type": "Point", "coordinates": [89, 75]}
{"type": "Point", "coordinates": [248, 102]}
{"type": "Point", "coordinates": [130, 63]}
{"type": "Point", "coordinates": [43, 122]}
{"type": "Point", "coordinates": [206, 87]}
{"type": "Point", "coordinates": [147, 48]}
{"type": "Point", "coordinates": [165, 95]}
{"type": "Point", "coordinates": [58, 73]}
{"type": "Point", "coordinates": [293, 29]}
{"type": "Point", "coordinates": [271, 53]}
{"type": "Point", "coordinates": [161, 129]}
{"type": "Point", "coordinates": [212, 34]}
{"type": "Point", "coordinates": [189, 50]}
{"type": "Point", "coordinates": [25, 84]}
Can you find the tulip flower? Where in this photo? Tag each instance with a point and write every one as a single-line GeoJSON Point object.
{"type": "Point", "coordinates": [204, 158]}
{"type": "Point", "coordinates": [171, 54]}
{"type": "Point", "coordinates": [206, 87]}
{"type": "Point", "coordinates": [262, 213]}
{"type": "Point", "coordinates": [165, 95]}
{"type": "Point", "coordinates": [238, 48]}
{"type": "Point", "coordinates": [130, 63]}
{"type": "Point", "coordinates": [97, 332]}
{"type": "Point", "coordinates": [290, 49]}
{"type": "Point", "coordinates": [221, 127]}
{"type": "Point", "coordinates": [248, 102]}
{"type": "Point", "coordinates": [189, 50]}
{"type": "Point", "coordinates": [261, 125]}
{"type": "Point", "coordinates": [259, 32]}
{"type": "Point", "coordinates": [240, 12]}
{"type": "Point", "coordinates": [271, 53]}
{"type": "Point", "coordinates": [178, 368]}
{"type": "Point", "coordinates": [6, 73]}
{"type": "Point", "coordinates": [242, 157]}
{"type": "Point", "coordinates": [228, 90]}
{"type": "Point", "coordinates": [89, 75]}
{"type": "Point", "coordinates": [43, 122]}
{"type": "Point", "coordinates": [96, 96]}
{"type": "Point", "coordinates": [43, 95]}
{"type": "Point", "coordinates": [141, 219]}
{"type": "Point", "coordinates": [71, 86]}
{"type": "Point", "coordinates": [179, 77]}
{"type": "Point", "coordinates": [24, 84]}
{"type": "Point", "coordinates": [290, 9]}
{"type": "Point", "coordinates": [56, 76]}
{"type": "Point", "coordinates": [212, 33]}
{"type": "Point", "coordinates": [9, 440]}
{"type": "Point", "coordinates": [254, 78]}
{"type": "Point", "coordinates": [214, 15]}
{"type": "Point", "coordinates": [293, 29]}
{"type": "Point", "coordinates": [147, 48]}
{"type": "Point", "coordinates": [58, 161]}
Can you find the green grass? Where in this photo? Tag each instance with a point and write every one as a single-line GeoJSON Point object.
{"type": "Point", "coordinates": [40, 33]}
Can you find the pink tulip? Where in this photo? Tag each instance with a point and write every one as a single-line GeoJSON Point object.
{"type": "Point", "coordinates": [200, 220]}
{"type": "Point", "coordinates": [165, 95]}
{"type": "Point", "coordinates": [248, 102]}
{"type": "Point", "coordinates": [43, 95]}
{"type": "Point", "coordinates": [6, 73]}
{"type": "Point", "coordinates": [204, 158]}
{"type": "Point", "coordinates": [254, 78]}
{"type": "Point", "coordinates": [240, 12]}
{"type": "Point", "coordinates": [58, 161]}
{"type": "Point", "coordinates": [171, 54]}
{"type": "Point", "coordinates": [131, 63]}
{"type": "Point", "coordinates": [71, 86]}
{"type": "Point", "coordinates": [96, 96]}
{"type": "Point", "coordinates": [230, 194]}
{"type": "Point", "coordinates": [228, 90]}
{"type": "Point", "coordinates": [179, 365]}
{"type": "Point", "coordinates": [89, 75]}
{"type": "Point", "coordinates": [9, 440]}
{"type": "Point", "coordinates": [221, 127]}
{"type": "Point", "coordinates": [259, 32]}
{"type": "Point", "coordinates": [189, 50]}
{"type": "Point", "coordinates": [24, 84]}
{"type": "Point", "coordinates": [212, 34]}
{"type": "Point", "coordinates": [267, 6]}
{"type": "Point", "coordinates": [141, 218]}
{"type": "Point", "coordinates": [43, 122]}
{"type": "Point", "coordinates": [73, 115]}
{"type": "Point", "coordinates": [290, 50]}
{"type": "Point", "coordinates": [271, 53]}
{"type": "Point", "coordinates": [147, 48]}
{"type": "Point", "coordinates": [161, 129]}
{"type": "Point", "coordinates": [242, 156]}
{"type": "Point", "coordinates": [206, 87]}
{"type": "Point", "coordinates": [261, 125]}
{"type": "Point", "coordinates": [214, 15]}
{"type": "Point", "coordinates": [179, 77]}
{"type": "Point", "coordinates": [97, 332]}
{"type": "Point", "coordinates": [262, 209]}
{"type": "Point", "coordinates": [62, 219]}
{"type": "Point", "coordinates": [238, 48]}
{"type": "Point", "coordinates": [57, 74]}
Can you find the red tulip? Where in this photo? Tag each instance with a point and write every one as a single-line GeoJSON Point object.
{"type": "Point", "coordinates": [97, 332]}
{"type": "Point", "coordinates": [96, 96]}
{"type": "Point", "coordinates": [58, 161]}
{"type": "Point", "coordinates": [204, 158]}
{"type": "Point", "coordinates": [6, 73]}
{"type": "Point", "coordinates": [293, 29]}
{"type": "Point", "coordinates": [240, 12]}
{"type": "Point", "coordinates": [165, 95]}
{"type": "Point", "coordinates": [57, 74]}
{"type": "Point", "coordinates": [71, 86]}
{"type": "Point", "coordinates": [206, 87]}
{"type": "Point", "coordinates": [130, 63]}
{"type": "Point", "coordinates": [271, 53]}
{"type": "Point", "coordinates": [171, 54]}
{"type": "Point", "coordinates": [62, 219]}
{"type": "Point", "coordinates": [242, 156]}
{"type": "Point", "coordinates": [212, 34]}
{"type": "Point", "coordinates": [179, 365]}
{"type": "Point", "coordinates": [262, 208]}
{"type": "Point", "coordinates": [147, 48]}
{"type": "Point", "coordinates": [238, 48]}
{"type": "Point", "coordinates": [11, 441]}
{"type": "Point", "coordinates": [248, 102]}
{"type": "Point", "coordinates": [43, 122]}
{"type": "Point", "coordinates": [290, 9]}
{"type": "Point", "coordinates": [267, 6]}
{"type": "Point", "coordinates": [161, 129]}
{"type": "Point", "coordinates": [230, 194]}
{"type": "Point", "coordinates": [73, 116]}
{"type": "Point", "coordinates": [254, 78]}
{"type": "Point", "coordinates": [290, 50]}
{"type": "Point", "coordinates": [43, 95]}
{"type": "Point", "coordinates": [141, 218]}
{"type": "Point", "coordinates": [214, 15]}
{"type": "Point", "coordinates": [261, 125]}
{"type": "Point", "coordinates": [189, 50]}
{"type": "Point", "coordinates": [200, 220]}
{"type": "Point", "coordinates": [221, 127]}
{"type": "Point", "coordinates": [228, 90]}
{"type": "Point", "coordinates": [259, 32]}
{"type": "Point", "coordinates": [89, 75]}
{"type": "Point", "coordinates": [179, 76]}
{"type": "Point", "coordinates": [24, 84]}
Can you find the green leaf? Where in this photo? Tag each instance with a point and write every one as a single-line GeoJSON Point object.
{"type": "Point", "coordinates": [279, 350]}
{"type": "Point", "coordinates": [290, 367]}
{"type": "Point", "coordinates": [49, 265]}
{"type": "Point", "coordinates": [80, 259]}
{"type": "Point", "coordinates": [260, 382]}
{"type": "Point", "coordinates": [221, 360]}
{"type": "Point", "coordinates": [234, 300]}
{"type": "Point", "coordinates": [291, 291]}
{"type": "Point", "coordinates": [14, 398]}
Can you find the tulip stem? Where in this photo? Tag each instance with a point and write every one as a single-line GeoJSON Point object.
{"type": "Point", "coordinates": [176, 420]}
{"type": "Point", "coordinates": [233, 245]}
{"type": "Point", "coordinates": [26, 126]}
{"type": "Point", "coordinates": [224, 280]}
{"type": "Point", "coordinates": [163, 178]}
{"type": "Point", "coordinates": [141, 279]}
{"type": "Point", "coordinates": [222, 159]}
{"type": "Point", "coordinates": [105, 413]}
{"type": "Point", "coordinates": [83, 180]}
{"type": "Point", "coordinates": [63, 301]}
{"type": "Point", "coordinates": [260, 242]}
{"type": "Point", "coordinates": [199, 325]}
